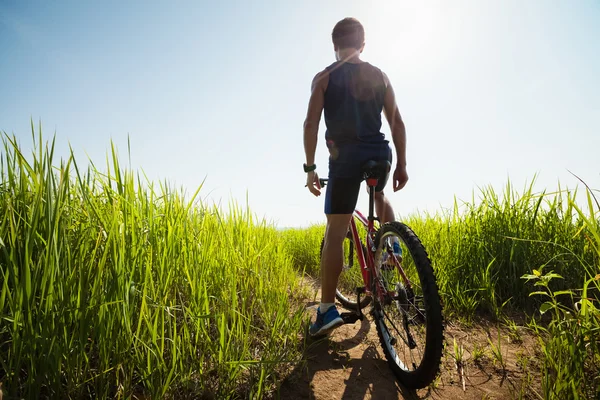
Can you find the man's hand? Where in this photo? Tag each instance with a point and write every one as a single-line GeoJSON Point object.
{"type": "Point", "coordinates": [312, 181]}
{"type": "Point", "coordinates": [400, 178]}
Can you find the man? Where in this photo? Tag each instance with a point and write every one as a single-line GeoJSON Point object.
{"type": "Point", "coordinates": [353, 93]}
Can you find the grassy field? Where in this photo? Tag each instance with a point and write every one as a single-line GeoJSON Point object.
{"type": "Point", "coordinates": [516, 254]}
{"type": "Point", "coordinates": [114, 287]}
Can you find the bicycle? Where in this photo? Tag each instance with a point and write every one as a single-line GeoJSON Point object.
{"type": "Point", "coordinates": [401, 286]}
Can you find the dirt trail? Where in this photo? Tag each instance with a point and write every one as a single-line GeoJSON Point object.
{"type": "Point", "coordinates": [350, 364]}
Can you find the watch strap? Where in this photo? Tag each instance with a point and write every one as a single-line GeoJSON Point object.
{"type": "Point", "coordinates": [309, 168]}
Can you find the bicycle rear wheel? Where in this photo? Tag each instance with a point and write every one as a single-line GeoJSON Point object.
{"type": "Point", "coordinates": [350, 277]}
{"type": "Point", "coordinates": [407, 310]}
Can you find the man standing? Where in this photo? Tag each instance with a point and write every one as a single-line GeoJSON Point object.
{"type": "Point", "coordinates": [352, 93]}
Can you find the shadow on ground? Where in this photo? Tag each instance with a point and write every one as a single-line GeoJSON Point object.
{"type": "Point", "coordinates": [350, 365]}
{"type": "Point", "coordinates": [348, 352]}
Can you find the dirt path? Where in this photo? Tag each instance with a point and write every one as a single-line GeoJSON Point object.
{"type": "Point", "coordinates": [350, 364]}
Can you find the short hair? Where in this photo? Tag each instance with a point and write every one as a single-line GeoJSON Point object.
{"type": "Point", "coordinates": [348, 33]}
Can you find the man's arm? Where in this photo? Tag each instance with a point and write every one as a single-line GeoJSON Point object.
{"type": "Point", "coordinates": [392, 114]}
{"type": "Point", "coordinates": [311, 125]}
{"type": "Point", "coordinates": [313, 115]}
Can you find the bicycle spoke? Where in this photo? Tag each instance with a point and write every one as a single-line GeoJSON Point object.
{"type": "Point", "coordinates": [396, 329]}
{"type": "Point", "coordinates": [403, 322]}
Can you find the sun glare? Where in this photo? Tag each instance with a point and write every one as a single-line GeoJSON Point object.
{"type": "Point", "coordinates": [404, 35]}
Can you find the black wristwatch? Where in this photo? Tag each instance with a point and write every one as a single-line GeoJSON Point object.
{"type": "Point", "coordinates": [309, 168]}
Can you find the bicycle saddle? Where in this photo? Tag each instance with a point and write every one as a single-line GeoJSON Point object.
{"type": "Point", "coordinates": [376, 169]}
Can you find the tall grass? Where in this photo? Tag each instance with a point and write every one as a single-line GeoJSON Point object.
{"type": "Point", "coordinates": [304, 245]}
{"type": "Point", "coordinates": [113, 287]}
{"type": "Point", "coordinates": [481, 250]}
{"type": "Point", "coordinates": [570, 342]}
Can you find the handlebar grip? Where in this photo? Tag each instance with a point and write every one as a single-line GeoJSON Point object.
{"type": "Point", "coordinates": [322, 182]}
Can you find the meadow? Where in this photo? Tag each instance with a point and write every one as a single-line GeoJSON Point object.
{"type": "Point", "coordinates": [519, 258]}
{"type": "Point", "coordinates": [112, 288]}
{"type": "Point", "coordinates": [115, 287]}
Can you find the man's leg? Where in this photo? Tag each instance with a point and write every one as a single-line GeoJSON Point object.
{"type": "Point", "coordinates": [332, 257]}
{"type": "Point", "coordinates": [340, 200]}
{"type": "Point", "coordinates": [385, 212]}
{"type": "Point", "coordinates": [383, 208]}
{"type": "Point", "coordinates": [328, 317]}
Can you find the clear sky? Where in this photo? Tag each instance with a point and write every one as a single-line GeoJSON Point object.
{"type": "Point", "coordinates": [489, 90]}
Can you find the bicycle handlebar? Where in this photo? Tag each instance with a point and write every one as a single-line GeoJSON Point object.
{"type": "Point", "coordinates": [322, 182]}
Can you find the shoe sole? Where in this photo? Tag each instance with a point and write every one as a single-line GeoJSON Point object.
{"type": "Point", "coordinates": [325, 329]}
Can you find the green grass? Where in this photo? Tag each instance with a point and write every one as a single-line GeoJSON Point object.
{"type": "Point", "coordinates": [112, 287]}
{"type": "Point", "coordinates": [481, 249]}
{"type": "Point", "coordinates": [480, 252]}
{"type": "Point", "coordinates": [304, 245]}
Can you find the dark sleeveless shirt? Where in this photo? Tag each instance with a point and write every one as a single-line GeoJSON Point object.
{"type": "Point", "coordinates": [353, 103]}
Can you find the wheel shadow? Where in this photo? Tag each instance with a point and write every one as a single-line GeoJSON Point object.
{"type": "Point", "coordinates": [371, 377]}
{"type": "Point", "coordinates": [327, 359]}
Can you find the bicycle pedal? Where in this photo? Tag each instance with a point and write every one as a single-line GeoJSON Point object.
{"type": "Point", "coordinates": [360, 290]}
{"type": "Point", "coordinates": [350, 317]}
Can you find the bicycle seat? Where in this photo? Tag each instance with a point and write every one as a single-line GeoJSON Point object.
{"type": "Point", "coordinates": [376, 169]}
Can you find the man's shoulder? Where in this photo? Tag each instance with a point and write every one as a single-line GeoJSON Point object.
{"type": "Point", "coordinates": [332, 66]}
{"type": "Point", "coordinates": [383, 74]}
{"type": "Point", "coordinates": [321, 79]}
{"type": "Point", "coordinates": [323, 73]}
{"type": "Point", "coordinates": [375, 67]}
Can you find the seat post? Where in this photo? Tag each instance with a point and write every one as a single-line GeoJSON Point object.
{"type": "Point", "coordinates": [372, 183]}
{"type": "Point", "coordinates": [373, 171]}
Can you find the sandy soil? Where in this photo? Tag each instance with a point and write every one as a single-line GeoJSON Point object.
{"type": "Point", "coordinates": [349, 364]}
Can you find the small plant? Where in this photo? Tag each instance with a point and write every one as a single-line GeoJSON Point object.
{"type": "Point", "coordinates": [522, 360]}
{"type": "Point", "coordinates": [458, 352]}
{"type": "Point", "coordinates": [514, 334]}
{"type": "Point", "coordinates": [433, 385]}
{"type": "Point", "coordinates": [526, 391]}
{"type": "Point", "coordinates": [496, 350]}
{"type": "Point", "coordinates": [478, 354]}
{"type": "Point", "coordinates": [459, 361]}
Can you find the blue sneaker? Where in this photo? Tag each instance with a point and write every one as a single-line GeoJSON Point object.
{"type": "Point", "coordinates": [397, 250]}
{"type": "Point", "coordinates": [326, 322]}
{"type": "Point", "coordinates": [388, 264]}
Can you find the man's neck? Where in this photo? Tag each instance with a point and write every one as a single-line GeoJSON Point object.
{"type": "Point", "coordinates": [349, 56]}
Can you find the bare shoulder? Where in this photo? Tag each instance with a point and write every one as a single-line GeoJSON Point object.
{"type": "Point", "coordinates": [321, 80]}
{"type": "Point", "coordinates": [386, 80]}
{"type": "Point", "coordinates": [377, 73]}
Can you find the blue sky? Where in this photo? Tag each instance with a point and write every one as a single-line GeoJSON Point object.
{"type": "Point", "coordinates": [217, 91]}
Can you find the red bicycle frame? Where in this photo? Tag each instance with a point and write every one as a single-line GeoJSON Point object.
{"type": "Point", "coordinates": [367, 261]}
